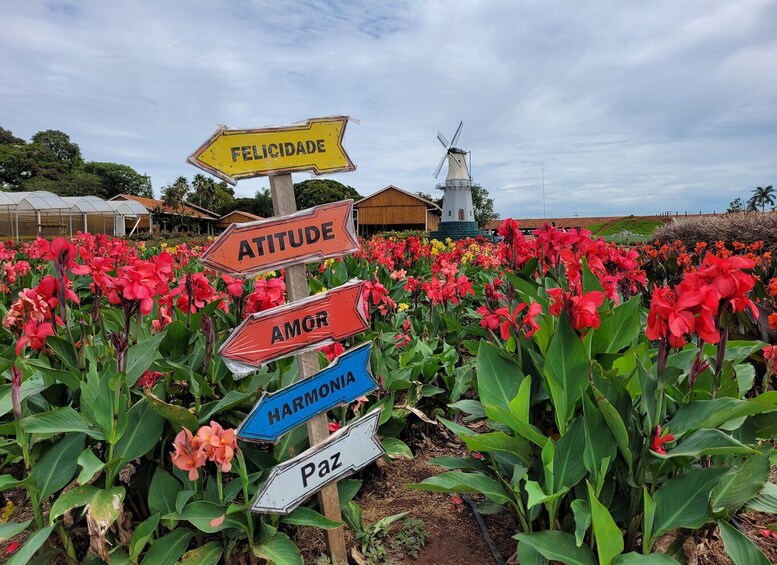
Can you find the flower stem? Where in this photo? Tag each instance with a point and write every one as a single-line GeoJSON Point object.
{"type": "Point", "coordinates": [220, 485]}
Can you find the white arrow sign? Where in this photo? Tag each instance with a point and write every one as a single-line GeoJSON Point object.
{"type": "Point", "coordinates": [344, 452]}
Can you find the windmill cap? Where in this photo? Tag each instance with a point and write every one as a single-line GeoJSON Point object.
{"type": "Point", "coordinates": [457, 150]}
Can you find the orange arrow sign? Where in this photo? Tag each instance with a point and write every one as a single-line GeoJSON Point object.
{"type": "Point", "coordinates": [315, 145]}
{"type": "Point", "coordinates": [305, 324]}
{"type": "Point", "coordinates": [267, 245]}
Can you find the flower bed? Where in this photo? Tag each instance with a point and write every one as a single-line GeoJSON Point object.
{"type": "Point", "coordinates": [626, 392]}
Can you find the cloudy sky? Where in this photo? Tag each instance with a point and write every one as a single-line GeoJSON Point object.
{"type": "Point", "coordinates": [628, 108]}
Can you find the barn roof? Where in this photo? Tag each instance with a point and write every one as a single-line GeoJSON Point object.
{"type": "Point", "coordinates": [247, 214]}
{"type": "Point", "coordinates": [392, 187]}
{"type": "Point", "coordinates": [152, 204]}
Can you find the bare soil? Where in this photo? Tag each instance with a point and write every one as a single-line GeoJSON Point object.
{"type": "Point", "coordinates": [453, 534]}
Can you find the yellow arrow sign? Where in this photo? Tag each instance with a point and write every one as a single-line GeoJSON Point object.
{"type": "Point", "coordinates": [315, 145]}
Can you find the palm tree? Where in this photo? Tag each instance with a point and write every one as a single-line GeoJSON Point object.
{"type": "Point", "coordinates": [174, 195]}
{"type": "Point", "coordinates": [763, 195]}
{"type": "Point", "coordinates": [204, 191]}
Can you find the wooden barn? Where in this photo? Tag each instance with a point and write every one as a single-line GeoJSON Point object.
{"type": "Point", "coordinates": [188, 217]}
{"type": "Point", "coordinates": [235, 217]}
{"type": "Point", "coordinates": [393, 209]}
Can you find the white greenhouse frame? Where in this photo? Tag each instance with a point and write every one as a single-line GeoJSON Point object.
{"type": "Point", "coordinates": [46, 214]}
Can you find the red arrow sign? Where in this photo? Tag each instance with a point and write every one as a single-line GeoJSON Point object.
{"type": "Point", "coordinates": [267, 245]}
{"type": "Point", "coordinates": [314, 321]}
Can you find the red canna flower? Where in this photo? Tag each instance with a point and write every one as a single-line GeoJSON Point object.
{"type": "Point", "coordinates": [659, 440]}
{"type": "Point", "coordinates": [234, 286]}
{"type": "Point", "coordinates": [267, 294]}
{"type": "Point", "coordinates": [35, 335]}
{"type": "Point", "coordinates": [584, 310]}
{"type": "Point", "coordinates": [529, 322]}
{"type": "Point", "coordinates": [557, 297]}
{"type": "Point", "coordinates": [767, 533]}
{"type": "Point", "coordinates": [12, 547]}
{"type": "Point", "coordinates": [149, 378]}
{"type": "Point", "coordinates": [509, 319]}
{"type": "Point", "coordinates": [332, 350]}
{"type": "Point", "coordinates": [770, 356]}
{"type": "Point", "coordinates": [489, 320]}
{"type": "Point", "coordinates": [333, 426]}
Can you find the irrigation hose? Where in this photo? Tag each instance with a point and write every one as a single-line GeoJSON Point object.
{"type": "Point", "coordinates": [484, 531]}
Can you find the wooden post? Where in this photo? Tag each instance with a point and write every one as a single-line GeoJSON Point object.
{"type": "Point", "coordinates": [283, 202]}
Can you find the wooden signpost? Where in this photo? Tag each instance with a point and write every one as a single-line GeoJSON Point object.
{"type": "Point", "coordinates": [315, 145]}
{"type": "Point", "coordinates": [303, 323]}
{"type": "Point", "coordinates": [348, 449]}
{"type": "Point", "coordinates": [314, 234]}
{"type": "Point", "coordinates": [344, 381]}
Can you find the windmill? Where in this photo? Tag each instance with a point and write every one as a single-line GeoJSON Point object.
{"type": "Point", "coordinates": [458, 214]}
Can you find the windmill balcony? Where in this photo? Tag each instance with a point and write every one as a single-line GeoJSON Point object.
{"type": "Point", "coordinates": [454, 183]}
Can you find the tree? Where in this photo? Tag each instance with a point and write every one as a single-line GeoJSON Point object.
{"type": "Point", "coordinates": [483, 206]}
{"type": "Point", "coordinates": [72, 183]}
{"type": "Point", "coordinates": [762, 195]}
{"type": "Point", "coordinates": [736, 205]}
{"type": "Point", "coordinates": [50, 155]}
{"type": "Point", "coordinates": [203, 191]}
{"type": "Point", "coordinates": [60, 145]}
{"type": "Point", "coordinates": [260, 204]}
{"type": "Point", "coordinates": [175, 194]}
{"type": "Point", "coordinates": [264, 205]}
{"type": "Point", "coordinates": [313, 192]}
{"type": "Point", "coordinates": [7, 136]}
{"type": "Point", "coordinates": [430, 198]}
{"type": "Point", "coordinates": [119, 179]}
{"type": "Point", "coordinates": [224, 198]}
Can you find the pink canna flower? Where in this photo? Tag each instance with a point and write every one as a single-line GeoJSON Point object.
{"type": "Point", "coordinates": [189, 455]}
{"type": "Point", "coordinates": [219, 444]}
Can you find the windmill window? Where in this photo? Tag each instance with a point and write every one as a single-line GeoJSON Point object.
{"type": "Point", "coordinates": [461, 214]}
{"type": "Point", "coordinates": [449, 212]}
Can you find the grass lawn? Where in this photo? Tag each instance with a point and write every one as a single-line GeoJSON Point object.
{"type": "Point", "coordinates": [636, 225]}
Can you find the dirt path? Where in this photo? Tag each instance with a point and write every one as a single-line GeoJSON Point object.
{"type": "Point", "coordinates": [453, 534]}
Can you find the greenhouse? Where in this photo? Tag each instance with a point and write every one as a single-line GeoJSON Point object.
{"type": "Point", "coordinates": [25, 215]}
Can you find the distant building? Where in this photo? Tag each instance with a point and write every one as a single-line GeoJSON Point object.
{"type": "Point", "coordinates": [235, 217]}
{"type": "Point", "coordinates": [25, 215]}
{"type": "Point", "coordinates": [394, 209]}
{"type": "Point", "coordinates": [187, 217]}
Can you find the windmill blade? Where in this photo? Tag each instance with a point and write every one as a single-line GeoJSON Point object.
{"type": "Point", "coordinates": [442, 139]}
{"type": "Point", "coordinates": [439, 167]}
{"type": "Point", "coordinates": [457, 134]}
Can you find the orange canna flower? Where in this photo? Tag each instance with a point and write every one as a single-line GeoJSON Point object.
{"type": "Point", "coordinates": [218, 444]}
{"type": "Point", "coordinates": [188, 455]}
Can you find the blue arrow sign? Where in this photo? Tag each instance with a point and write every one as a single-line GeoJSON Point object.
{"type": "Point", "coordinates": [344, 381]}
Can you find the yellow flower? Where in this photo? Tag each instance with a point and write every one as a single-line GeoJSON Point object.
{"type": "Point", "coordinates": [401, 307]}
{"type": "Point", "coordinates": [323, 290]}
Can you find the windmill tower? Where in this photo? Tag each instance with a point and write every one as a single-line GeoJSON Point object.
{"type": "Point", "coordinates": [458, 214]}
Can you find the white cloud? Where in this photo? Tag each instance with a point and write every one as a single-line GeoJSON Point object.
{"type": "Point", "coordinates": [630, 108]}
